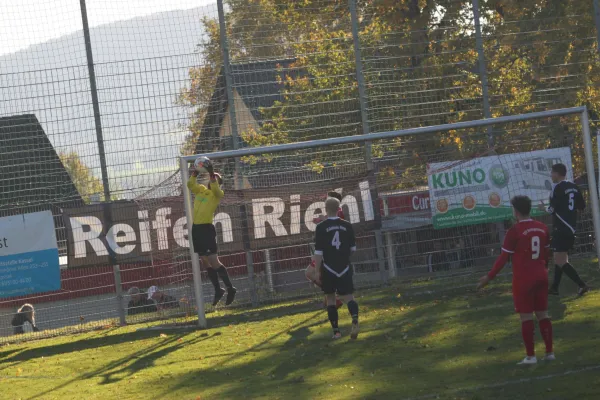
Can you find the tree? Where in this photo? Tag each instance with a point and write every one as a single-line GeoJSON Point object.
{"type": "Point", "coordinates": [420, 67]}
{"type": "Point", "coordinates": [86, 183]}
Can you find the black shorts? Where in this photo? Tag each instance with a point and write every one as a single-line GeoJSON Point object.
{"type": "Point", "coordinates": [562, 241]}
{"type": "Point", "coordinates": [204, 237]}
{"type": "Point", "coordinates": [332, 284]}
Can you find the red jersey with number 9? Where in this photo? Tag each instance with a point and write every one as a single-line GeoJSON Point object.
{"type": "Point", "coordinates": [528, 242]}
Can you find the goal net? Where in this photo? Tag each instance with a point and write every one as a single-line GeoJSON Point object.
{"type": "Point", "coordinates": [429, 203]}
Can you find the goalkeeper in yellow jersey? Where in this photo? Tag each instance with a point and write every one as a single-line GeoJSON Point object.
{"type": "Point", "coordinates": [204, 235]}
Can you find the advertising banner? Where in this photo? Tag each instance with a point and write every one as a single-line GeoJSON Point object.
{"type": "Point", "coordinates": [28, 255]}
{"type": "Point", "coordinates": [151, 230]}
{"type": "Point", "coordinates": [479, 190]}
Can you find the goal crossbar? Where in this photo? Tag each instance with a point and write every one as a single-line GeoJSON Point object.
{"type": "Point", "coordinates": [252, 151]}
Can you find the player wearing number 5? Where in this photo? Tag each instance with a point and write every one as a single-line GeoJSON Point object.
{"type": "Point", "coordinates": [527, 243]}
{"type": "Point", "coordinates": [565, 201]}
{"type": "Point", "coordinates": [334, 244]}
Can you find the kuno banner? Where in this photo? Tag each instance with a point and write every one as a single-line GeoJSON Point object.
{"type": "Point", "coordinates": [479, 191]}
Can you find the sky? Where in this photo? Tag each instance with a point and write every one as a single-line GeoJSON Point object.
{"type": "Point", "coordinates": [27, 22]}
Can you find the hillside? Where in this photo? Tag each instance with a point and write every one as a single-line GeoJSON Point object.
{"type": "Point", "coordinates": [141, 64]}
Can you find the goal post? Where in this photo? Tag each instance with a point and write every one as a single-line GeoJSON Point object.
{"type": "Point", "coordinates": [413, 161]}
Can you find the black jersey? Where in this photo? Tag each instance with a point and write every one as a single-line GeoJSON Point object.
{"type": "Point", "coordinates": [335, 241]}
{"type": "Point", "coordinates": [565, 200]}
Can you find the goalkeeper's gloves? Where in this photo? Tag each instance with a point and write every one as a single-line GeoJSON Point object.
{"type": "Point", "coordinates": [210, 169]}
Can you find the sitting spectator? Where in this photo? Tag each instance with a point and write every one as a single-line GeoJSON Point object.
{"type": "Point", "coordinates": [162, 300]}
{"type": "Point", "coordinates": [24, 314]}
{"type": "Point", "coordinates": [139, 303]}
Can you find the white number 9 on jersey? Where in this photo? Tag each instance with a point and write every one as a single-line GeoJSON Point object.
{"type": "Point", "coordinates": [535, 248]}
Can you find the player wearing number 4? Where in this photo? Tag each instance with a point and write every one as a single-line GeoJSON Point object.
{"type": "Point", "coordinates": [528, 244]}
{"type": "Point", "coordinates": [565, 201]}
{"type": "Point", "coordinates": [334, 244]}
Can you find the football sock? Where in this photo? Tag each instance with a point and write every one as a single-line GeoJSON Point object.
{"type": "Point", "coordinates": [557, 277]}
{"type": "Point", "coordinates": [528, 332]}
{"type": "Point", "coordinates": [224, 276]}
{"type": "Point", "coordinates": [546, 331]}
{"type": "Point", "coordinates": [332, 313]}
{"type": "Point", "coordinates": [571, 273]}
{"type": "Point", "coordinates": [214, 277]}
{"type": "Point", "coordinates": [353, 309]}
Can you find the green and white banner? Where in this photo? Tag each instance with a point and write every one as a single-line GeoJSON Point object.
{"type": "Point", "coordinates": [479, 191]}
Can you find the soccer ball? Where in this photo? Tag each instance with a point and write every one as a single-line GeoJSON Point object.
{"type": "Point", "coordinates": [201, 163]}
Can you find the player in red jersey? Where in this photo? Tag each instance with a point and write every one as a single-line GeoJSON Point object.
{"type": "Point", "coordinates": [528, 243]}
{"type": "Point", "coordinates": [311, 270]}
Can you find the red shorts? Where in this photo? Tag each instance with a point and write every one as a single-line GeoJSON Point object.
{"type": "Point", "coordinates": [531, 297]}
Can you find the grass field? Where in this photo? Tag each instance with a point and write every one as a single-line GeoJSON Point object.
{"type": "Point", "coordinates": [424, 340]}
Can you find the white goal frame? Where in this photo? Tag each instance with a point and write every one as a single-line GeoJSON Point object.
{"type": "Point", "coordinates": [249, 151]}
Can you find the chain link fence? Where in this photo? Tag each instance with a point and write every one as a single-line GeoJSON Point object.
{"type": "Point", "coordinates": [97, 101]}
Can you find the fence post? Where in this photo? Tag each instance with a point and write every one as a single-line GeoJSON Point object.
{"type": "Point", "coordinates": [95, 103]}
{"type": "Point", "coordinates": [238, 181]}
{"type": "Point", "coordinates": [482, 68]}
{"type": "Point", "coordinates": [101, 154]}
{"type": "Point", "coordinates": [487, 112]}
{"type": "Point", "coordinates": [119, 291]}
{"type": "Point", "coordinates": [269, 270]}
{"type": "Point", "coordinates": [389, 241]}
{"type": "Point", "coordinates": [362, 98]}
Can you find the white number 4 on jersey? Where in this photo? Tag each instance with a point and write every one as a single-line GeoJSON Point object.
{"type": "Point", "coordinates": [336, 240]}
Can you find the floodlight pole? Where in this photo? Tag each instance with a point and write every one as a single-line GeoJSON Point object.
{"type": "Point", "coordinates": [597, 21]}
{"type": "Point", "coordinates": [362, 99]}
{"type": "Point", "coordinates": [102, 156]}
{"type": "Point", "coordinates": [189, 212]}
{"type": "Point", "coordinates": [237, 178]}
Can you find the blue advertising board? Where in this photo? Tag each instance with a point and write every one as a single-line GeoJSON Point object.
{"type": "Point", "coordinates": [28, 255]}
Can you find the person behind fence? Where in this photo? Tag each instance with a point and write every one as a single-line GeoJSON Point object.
{"type": "Point", "coordinates": [163, 300]}
{"type": "Point", "coordinates": [26, 313]}
{"type": "Point", "coordinates": [139, 303]}
{"type": "Point", "coordinates": [438, 259]}
{"type": "Point", "coordinates": [204, 235]}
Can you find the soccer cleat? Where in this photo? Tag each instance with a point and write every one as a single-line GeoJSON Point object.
{"type": "Point", "coordinates": [549, 357]}
{"type": "Point", "coordinates": [230, 295]}
{"type": "Point", "coordinates": [528, 361]}
{"type": "Point", "coordinates": [218, 296]}
{"type": "Point", "coordinates": [337, 335]}
{"type": "Point", "coordinates": [583, 290]}
{"type": "Point", "coordinates": [354, 331]}
{"type": "Point", "coordinates": [553, 291]}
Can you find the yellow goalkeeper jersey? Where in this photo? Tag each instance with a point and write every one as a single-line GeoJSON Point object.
{"type": "Point", "coordinates": [206, 200]}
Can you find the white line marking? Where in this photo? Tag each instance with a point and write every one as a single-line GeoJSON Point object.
{"type": "Point", "coordinates": [505, 383]}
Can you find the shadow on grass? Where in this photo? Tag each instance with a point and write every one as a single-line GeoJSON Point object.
{"type": "Point", "coordinates": [143, 359]}
{"type": "Point", "coordinates": [284, 367]}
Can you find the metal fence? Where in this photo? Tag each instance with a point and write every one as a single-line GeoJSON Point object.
{"type": "Point", "coordinates": [98, 100]}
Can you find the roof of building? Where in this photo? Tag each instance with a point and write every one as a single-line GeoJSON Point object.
{"type": "Point", "coordinates": [259, 84]}
{"type": "Point", "coordinates": [32, 177]}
